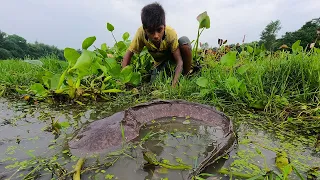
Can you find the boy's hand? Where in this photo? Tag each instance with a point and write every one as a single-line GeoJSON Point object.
{"type": "Point", "coordinates": [127, 58]}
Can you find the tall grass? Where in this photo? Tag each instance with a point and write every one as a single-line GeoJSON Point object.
{"type": "Point", "coordinates": [264, 83]}
{"type": "Point", "coordinates": [18, 72]}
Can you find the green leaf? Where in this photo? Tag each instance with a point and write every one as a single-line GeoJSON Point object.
{"type": "Point", "coordinates": [243, 69]}
{"type": "Point", "coordinates": [20, 91]}
{"type": "Point", "coordinates": [125, 36]}
{"type": "Point", "coordinates": [202, 82]}
{"type": "Point", "coordinates": [126, 74]}
{"type": "Point", "coordinates": [232, 83]}
{"type": "Point", "coordinates": [121, 46]}
{"type": "Point", "coordinates": [34, 62]}
{"type": "Point", "coordinates": [102, 52]}
{"type": "Point", "coordinates": [258, 151]}
{"type": "Point", "coordinates": [204, 92]}
{"type": "Point", "coordinates": [62, 79]}
{"type": "Point", "coordinates": [296, 46]}
{"type": "Point", "coordinates": [249, 49]}
{"type": "Point", "coordinates": [84, 61]}
{"type": "Point", "coordinates": [88, 42]}
{"type": "Point", "coordinates": [229, 59]}
{"type": "Point", "coordinates": [204, 20]}
{"type": "Point", "coordinates": [112, 91]}
{"type": "Point", "coordinates": [243, 88]}
{"type": "Point", "coordinates": [109, 176]}
{"type": "Point", "coordinates": [71, 56]}
{"type": "Point", "coordinates": [104, 47]}
{"type": "Point", "coordinates": [45, 79]}
{"type": "Point", "coordinates": [111, 63]}
{"type": "Point", "coordinates": [54, 81]}
{"type": "Point", "coordinates": [115, 71]}
{"type": "Point", "coordinates": [110, 27]}
{"type": "Point", "coordinates": [65, 124]}
{"type": "Point", "coordinates": [136, 78]}
{"type": "Point", "coordinates": [258, 104]}
{"type": "Point", "coordinates": [39, 90]}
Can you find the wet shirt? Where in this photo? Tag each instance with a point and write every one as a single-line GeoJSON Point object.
{"type": "Point", "coordinates": [168, 45]}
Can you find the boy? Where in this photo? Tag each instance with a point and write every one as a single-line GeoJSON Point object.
{"type": "Point", "coordinates": [161, 41]}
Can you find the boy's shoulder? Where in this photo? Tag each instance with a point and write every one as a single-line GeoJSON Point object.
{"type": "Point", "coordinates": [171, 33]}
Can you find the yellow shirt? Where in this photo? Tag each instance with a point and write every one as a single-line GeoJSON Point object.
{"type": "Point", "coordinates": [168, 45]}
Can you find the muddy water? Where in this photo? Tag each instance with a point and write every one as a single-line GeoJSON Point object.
{"type": "Point", "coordinates": [23, 137]}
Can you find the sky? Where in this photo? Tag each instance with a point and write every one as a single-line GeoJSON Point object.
{"type": "Point", "coordinates": [66, 23]}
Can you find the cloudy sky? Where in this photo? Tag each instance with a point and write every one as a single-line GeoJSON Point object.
{"type": "Point", "coordinates": [65, 23]}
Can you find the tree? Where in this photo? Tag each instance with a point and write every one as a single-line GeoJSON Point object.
{"type": "Point", "coordinates": [2, 37]}
{"type": "Point", "coordinates": [269, 34]}
{"type": "Point", "coordinates": [5, 54]}
{"type": "Point", "coordinates": [307, 34]}
{"type": "Point", "coordinates": [15, 46]}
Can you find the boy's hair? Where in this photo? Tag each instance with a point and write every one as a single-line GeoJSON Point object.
{"type": "Point", "coordinates": [152, 16]}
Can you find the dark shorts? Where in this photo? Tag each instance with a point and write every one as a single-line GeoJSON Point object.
{"type": "Point", "coordinates": [167, 64]}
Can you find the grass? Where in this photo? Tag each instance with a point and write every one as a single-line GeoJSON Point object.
{"type": "Point", "coordinates": [267, 83]}
{"type": "Point", "coordinates": [18, 72]}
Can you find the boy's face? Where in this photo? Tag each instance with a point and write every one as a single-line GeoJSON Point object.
{"type": "Point", "coordinates": [155, 35]}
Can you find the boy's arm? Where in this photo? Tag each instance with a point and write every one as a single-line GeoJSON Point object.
{"type": "Point", "coordinates": [127, 58]}
{"type": "Point", "coordinates": [179, 62]}
{"type": "Point", "coordinates": [136, 46]}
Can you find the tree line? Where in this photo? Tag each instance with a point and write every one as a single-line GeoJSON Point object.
{"type": "Point", "coordinates": [15, 46]}
{"type": "Point", "coordinates": [309, 33]}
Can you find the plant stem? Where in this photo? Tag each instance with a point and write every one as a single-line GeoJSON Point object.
{"type": "Point", "coordinates": [114, 38]}
{"type": "Point", "coordinates": [76, 175]}
{"type": "Point", "coordinates": [196, 44]}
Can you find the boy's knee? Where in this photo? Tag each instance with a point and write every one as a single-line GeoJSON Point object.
{"type": "Point", "coordinates": [184, 40]}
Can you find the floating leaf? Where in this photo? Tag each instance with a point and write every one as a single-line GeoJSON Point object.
{"type": "Point", "coordinates": [84, 61]}
{"type": "Point", "coordinates": [202, 82]}
{"type": "Point", "coordinates": [126, 74]}
{"type": "Point", "coordinates": [71, 56]}
{"type": "Point", "coordinates": [39, 90]}
{"type": "Point", "coordinates": [110, 27]}
{"type": "Point", "coordinates": [229, 59]}
{"type": "Point", "coordinates": [54, 81]}
{"type": "Point", "coordinates": [88, 42]}
{"type": "Point", "coordinates": [111, 63]}
{"type": "Point", "coordinates": [136, 78]}
{"type": "Point", "coordinates": [65, 124]}
{"type": "Point", "coordinates": [125, 36]}
{"type": "Point", "coordinates": [115, 71]}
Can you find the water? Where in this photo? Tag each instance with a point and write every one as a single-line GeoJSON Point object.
{"type": "Point", "coordinates": [171, 139]}
{"type": "Point", "coordinates": [23, 137]}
